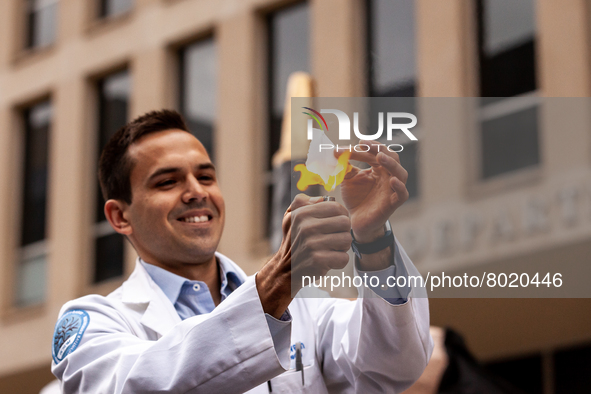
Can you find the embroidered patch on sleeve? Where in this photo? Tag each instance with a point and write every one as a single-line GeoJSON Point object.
{"type": "Point", "coordinates": [68, 333]}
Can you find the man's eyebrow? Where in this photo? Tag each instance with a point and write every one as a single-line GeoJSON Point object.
{"type": "Point", "coordinates": [171, 170]}
{"type": "Point", "coordinates": [162, 171]}
{"type": "Point", "coordinates": [206, 166]}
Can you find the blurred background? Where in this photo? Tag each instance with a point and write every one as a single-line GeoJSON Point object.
{"type": "Point", "coordinates": [72, 72]}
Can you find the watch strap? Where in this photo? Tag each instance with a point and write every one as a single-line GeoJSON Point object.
{"type": "Point", "coordinates": [375, 246]}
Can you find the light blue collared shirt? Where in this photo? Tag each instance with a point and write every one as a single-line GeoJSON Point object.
{"type": "Point", "coordinates": [192, 297]}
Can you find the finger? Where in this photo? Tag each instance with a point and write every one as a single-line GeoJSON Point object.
{"type": "Point", "coordinates": [286, 222]}
{"type": "Point", "coordinates": [340, 242]}
{"type": "Point", "coordinates": [328, 259]}
{"type": "Point", "coordinates": [327, 209]}
{"type": "Point", "coordinates": [354, 170]}
{"type": "Point", "coordinates": [301, 200]}
{"type": "Point", "coordinates": [366, 157]}
{"type": "Point", "coordinates": [321, 226]}
{"type": "Point", "coordinates": [392, 166]}
{"type": "Point", "coordinates": [337, 260]}
{"type": "Point", "coordinates": [377, 147]}
{"type": "Point", "coordinates": [400, 190]}
{"type": "Point", "coordinates": [368, 150]}
{"type": "Point", "coordinates": [303, 216]}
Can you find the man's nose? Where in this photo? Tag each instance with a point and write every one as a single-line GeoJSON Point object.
{"type": "Point", "coordinates": [194, 191]}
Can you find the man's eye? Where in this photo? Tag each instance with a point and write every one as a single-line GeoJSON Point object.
{"type": "Point", "coordinates": [167, 182]}
{"type": "Point", "coordinates": [205, 178]}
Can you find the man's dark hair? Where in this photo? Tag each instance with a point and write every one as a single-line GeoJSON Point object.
{"type": "Point", "coordinates": [115, 165]}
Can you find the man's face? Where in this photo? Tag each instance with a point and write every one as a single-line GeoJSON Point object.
{"type": "Point", "coordinates": [177, 209]}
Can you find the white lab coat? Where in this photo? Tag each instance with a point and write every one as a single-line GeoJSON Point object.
{"type": "Point", "coordinates": [136, 343]}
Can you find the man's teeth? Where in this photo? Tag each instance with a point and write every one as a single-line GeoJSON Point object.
{"type": "Point", "coordinates": [196, 219]}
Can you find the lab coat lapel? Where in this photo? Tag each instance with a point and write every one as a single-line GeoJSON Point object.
{"type": "Point", "coordinates": [159, 315]}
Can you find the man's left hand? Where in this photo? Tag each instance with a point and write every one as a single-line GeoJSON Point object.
{"type": "Point", "coordinates": [372, 195]}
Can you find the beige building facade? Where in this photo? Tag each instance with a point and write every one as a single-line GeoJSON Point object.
{"type": "Point", "coordinates": [147, 39]}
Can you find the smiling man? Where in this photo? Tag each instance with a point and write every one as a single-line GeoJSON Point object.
{"type": "Point", "coordinates": [188, 320]}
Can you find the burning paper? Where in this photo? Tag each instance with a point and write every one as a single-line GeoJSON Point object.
{"type": "Point", "coordinates": [322, 167]}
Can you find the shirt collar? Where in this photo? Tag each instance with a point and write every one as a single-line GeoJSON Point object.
{"type": "Point", "coordinates": [171, 284]}
{"type": "Point", "coordinates": [230, 278]}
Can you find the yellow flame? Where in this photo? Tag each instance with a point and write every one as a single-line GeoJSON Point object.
{"type": "Point", "coordinates": [309, 178]}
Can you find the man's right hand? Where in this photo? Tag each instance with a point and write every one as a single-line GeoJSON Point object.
{"type": "Point", "coordinates": [316, 237]}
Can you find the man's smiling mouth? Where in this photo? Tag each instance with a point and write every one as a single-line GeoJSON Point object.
{"type": "Point", "coordinates": [196, 219]}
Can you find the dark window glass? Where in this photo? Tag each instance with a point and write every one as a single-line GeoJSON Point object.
{"type": "Point", "coordinates": [509, 125]}
{"type": "Point", "coordinates": [114, 7]}
{"type": "Point", "coordinates": [114, 91]}
{"type": "Point", "coordinates": [506, 47]}
{"type": "Point", "coordinates": [289, 51]}
{"type": "Point", "coordinates": [522, 373]}
{"type": "Point", "coordinates": [31, 270]}
{"type": "Point", "coordinates": [571, 370]}
{"type": "Point", "coordinates": [41, 22]}
{"type": "Point", "coordinates": [198, 88]}
{"type": "Point", "coordinates": [37, 124]}
{"type": "Point", "coordinates": [510, 142]}
{"type": "Point", "coordinates": [391, 48]}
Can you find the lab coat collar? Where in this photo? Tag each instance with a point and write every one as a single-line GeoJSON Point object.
{"type": "Point", "coordinates": [159, 315]}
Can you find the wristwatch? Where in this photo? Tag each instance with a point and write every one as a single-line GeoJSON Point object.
{"type": "Point", "coordinates": [375, 246]}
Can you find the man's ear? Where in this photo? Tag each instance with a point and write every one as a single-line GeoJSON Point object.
{"type": "Point", "coordinates": [117, 215]}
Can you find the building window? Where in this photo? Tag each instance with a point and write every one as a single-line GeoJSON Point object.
{"type": "Point", "coordinates": [114, 91]}
{"type": "Point", "coordinates": [391, 71]}
{"type": "Point", "coordinates": [108, 8]}
{"type": "Point", "coordinates": [509, 104]}
{"type": "Point", "coordinates": [32, 267]}
{"type": "Point", "coordinates": [41, 23]}
{"type": "Point", "coordinates": [391, 48]}
{"type": "Point", "coordinates": [198, 90]}
{"type": "Point", "coordinates": [289, 51]}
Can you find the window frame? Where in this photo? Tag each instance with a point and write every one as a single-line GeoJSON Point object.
{"type": "Point", "coordinates": [369, 70]}
{"type": "Point", "coordinates": [98, 24]}
{"type": "Point", "coordinates": [12, 310]}
{"type": "Point", "coordinates": [479, 187]}
{"type": "Point", "coordinates": [267, 169]}
{"type": "Point", "coordinates": [21, 47]}
{"type": "Point", "coordinates": [179, 51]}
{"type": "Point", "coordinates": [101, 14]}
{"type": "Point", "coordinates": [29, 30]}
{"type": "Point", "coordinates": [103, 228]}
{"type": "Point", "coordinates": [481, 55]}
{"type": "Point", "coordinates": [87, 285]}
